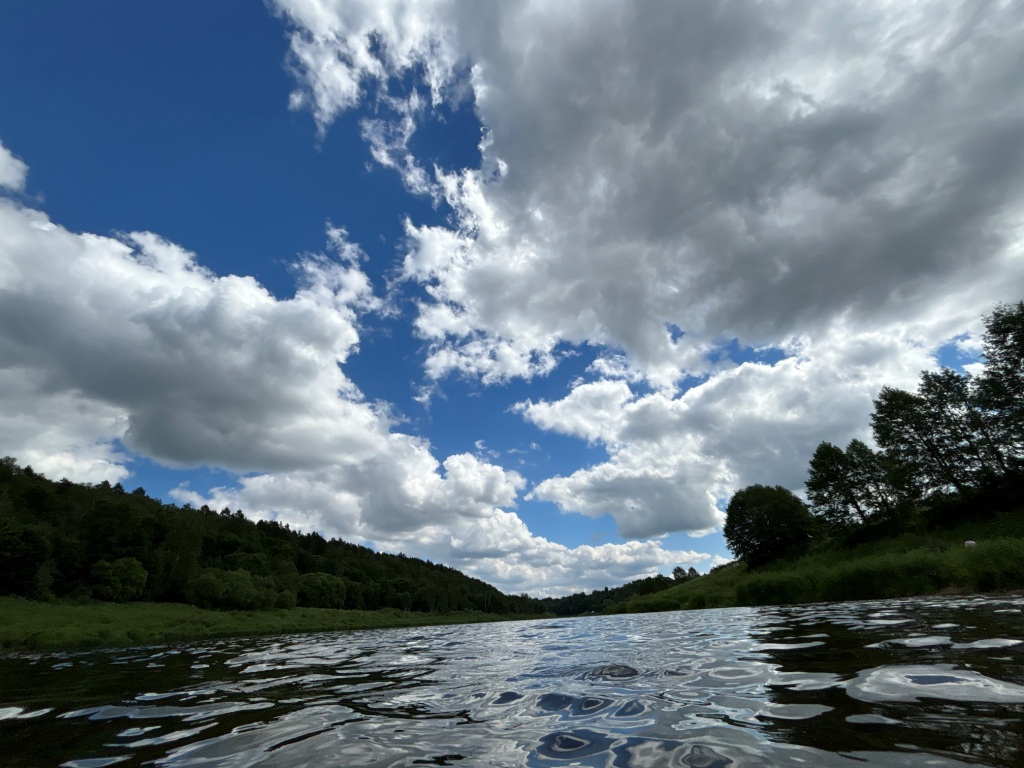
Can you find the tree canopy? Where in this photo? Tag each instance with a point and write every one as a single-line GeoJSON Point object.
{"type": "Point", "coordinates": [1000, 389]}
{"type": "Point", "coordinates": [765, 523]}
{"type": "Point", "coordinates": [958, 436]}
{"type": "Point", "coordinates": [855, 486]}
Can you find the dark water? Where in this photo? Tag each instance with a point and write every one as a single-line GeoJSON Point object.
{"type": "Point", "coordinates": [926, 682]}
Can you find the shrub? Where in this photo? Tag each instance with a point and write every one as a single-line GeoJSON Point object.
{"type": "Point", "coordinates": [995, 565]}
{"type": "Point", "coordinates": [776, 589]}
{"type": "Point", "coordinates": [321, 590]}
{"type": "Point", "coordinates": [120, 581]}
{"type": "Point", "coordinates": [217, 588]}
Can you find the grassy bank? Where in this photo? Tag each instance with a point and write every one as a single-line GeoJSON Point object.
{"type": "Point", "coordinates": [918, 563]}
{"type": "Point", "coordinates": [29, 625]}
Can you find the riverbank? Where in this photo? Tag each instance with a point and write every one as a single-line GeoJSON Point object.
{"type": "Point", "coordinates": [914, 563]}
{"type": "Point", "coordinates": [27, 625]}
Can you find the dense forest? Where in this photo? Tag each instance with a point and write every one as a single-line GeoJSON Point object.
{"type": "Point", "coordinates": [67, 540]}
{"type": "Point", "coordinates": [950, 451]}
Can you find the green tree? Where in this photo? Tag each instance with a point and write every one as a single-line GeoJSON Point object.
{"type": "Point", "coordinates": [682, 574]}
{"type": "Point", "coordinates": [321, 590]}
{"type": "Point", "coordinates": [179, 553]}
{"type": "Point", "coordinates": [23, 551]}
{"type": "Point", "coordinates": [830, 488]}
{"type": "Point", "coordinates": [764, 524]}
{"type": "Point", "coordinates": [853, 486]}
{"type": "Point", "coordinates": [1001, 385]}
{"type": "Point", "coordinates": [9, 467]}
{"type": "Point", "coordinates": [963, 428]}
{"type": "Point", "coordinates": [903, 425]}
{"type": "Point", "coordinates": [120, 581]}
{"type": "Point", "coordinates": [943, 434]}
{"type": "Point", "coordinates": [219, 588]}
{"type": "Point", "coordinates": [885, 487]}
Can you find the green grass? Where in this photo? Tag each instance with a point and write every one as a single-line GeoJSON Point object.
{"type": "Point", "coordinates": [918, 563]}
{"type": "Point", "coordinates": [30, 625]}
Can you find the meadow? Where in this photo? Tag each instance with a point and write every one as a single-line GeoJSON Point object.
{"type": "Point", "coordinates": [913, 563]}
{"type": "Point", "coordinates": [29, 625]}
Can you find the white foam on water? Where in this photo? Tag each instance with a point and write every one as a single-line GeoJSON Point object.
{"type": "Point", "coordinates": [931, 681]}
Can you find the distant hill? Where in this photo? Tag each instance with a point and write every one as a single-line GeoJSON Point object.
{"type": "Point", "coordinates": [69, 540]}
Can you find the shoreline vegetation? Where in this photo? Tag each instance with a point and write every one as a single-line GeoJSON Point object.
{"type": "Point", "coordinates": [911, 564]}
{"type": "Point", "coordinates": [929, 560]}
{"type": "Point", "coordinates": [926, 562]}
{"type": "Point", "coordinates": [30, 625]}
{"type": "Point", "coordinates": [914, 563]}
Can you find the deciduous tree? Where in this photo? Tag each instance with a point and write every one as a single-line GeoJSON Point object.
{"type": "Point", "coordinates": [854, 486]}
{"type": "Point", "coordinates": [765, 523]}
{"type": "Point", "coordinates": [1001, 385]}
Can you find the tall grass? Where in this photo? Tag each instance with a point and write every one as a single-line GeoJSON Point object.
{"type": "Point", "coordinates": [912, 564]}
{"type": "Point", "coordinates": [30, 625]}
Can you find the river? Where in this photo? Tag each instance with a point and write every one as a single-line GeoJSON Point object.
{"type": "Point", "coordinates": [932, 682]}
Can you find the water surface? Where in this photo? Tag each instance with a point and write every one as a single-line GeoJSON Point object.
{"type": "Point", "coordinates": [920, 682]}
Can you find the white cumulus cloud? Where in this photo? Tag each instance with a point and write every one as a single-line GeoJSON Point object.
{"type": "Point", "coordinates": [13, 171]}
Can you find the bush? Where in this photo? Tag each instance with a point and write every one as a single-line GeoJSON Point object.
{"type": "Point", "coordinates": [776, 589]}
{"type": "Point", "coordinates": [286, 599]}
{"type": "Point", "coordinates": [217, 588]}
{"type": "Point", "coordinates": [996, 565]}
{"type": "Point", "coordinates": [321, 590]}
{"type": "Point", "coordinates": [917, 572]}
{"type": "Point", "coordinates": [659, 602]}
{"type": "Point", "coordinates": [120, 581]}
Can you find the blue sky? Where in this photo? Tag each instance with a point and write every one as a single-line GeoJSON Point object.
{"type": "Point", "coordinates": [526, 290]}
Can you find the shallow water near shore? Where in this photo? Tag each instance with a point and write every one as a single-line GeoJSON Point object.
{"type": "Point", "coordinates": [914, 682]}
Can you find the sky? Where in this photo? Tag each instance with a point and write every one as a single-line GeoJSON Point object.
{"type": "Point", "coordinates": [529, 289]}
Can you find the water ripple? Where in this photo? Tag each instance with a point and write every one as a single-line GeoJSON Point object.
{"type": "Point", "coordinates": [836, 686]}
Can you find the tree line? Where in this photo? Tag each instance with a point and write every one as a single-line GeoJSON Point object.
{"type": "Point", "coordinates": [953, 447]}
{"type": "Point", "coordinates": [60, 539]}
{"type": "Point", "coordinates": [601, 599]}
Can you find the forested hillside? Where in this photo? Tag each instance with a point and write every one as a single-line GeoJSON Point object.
{"type": "Point", "coordinates": [62, 539]}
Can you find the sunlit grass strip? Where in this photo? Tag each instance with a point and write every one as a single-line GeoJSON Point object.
{"type": "Point", "coordinates": [909, 565]}
{"type": "Point", "coordinates": [29, 625]}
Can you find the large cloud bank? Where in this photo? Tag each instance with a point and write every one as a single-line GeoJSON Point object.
{"type": "Point", "coordinates": [840, 184]}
